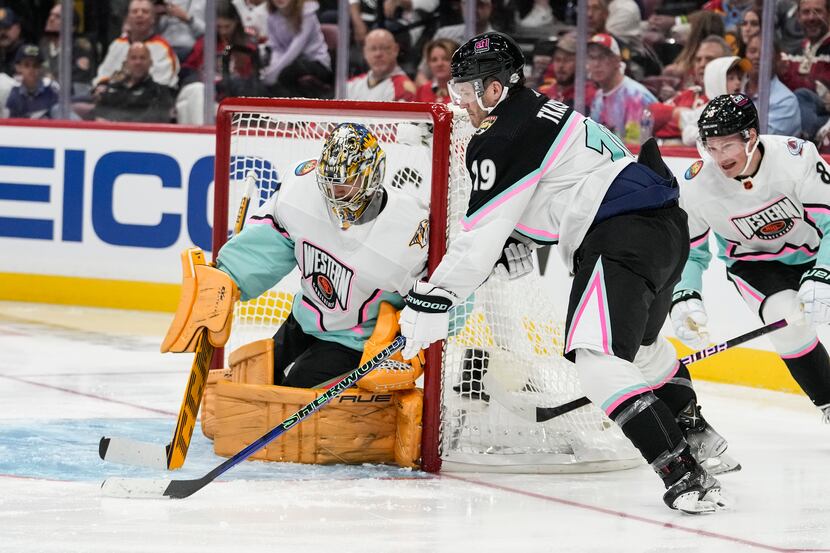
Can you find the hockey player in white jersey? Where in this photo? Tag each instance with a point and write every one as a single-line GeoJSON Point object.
{"type": "Point", "coordinates": [356, 243]}
{"type": "Point", "coordinates": [766, 200]}
{"type": "Point", "coordinates": [545, 174]}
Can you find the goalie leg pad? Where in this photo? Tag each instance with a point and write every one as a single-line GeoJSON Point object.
{"type": "Point", "coordinates": [249, 364]}
{"type": "Point", "coordinates": [356, 427]}
{"type": "Point", "coordinates": [206, 302]}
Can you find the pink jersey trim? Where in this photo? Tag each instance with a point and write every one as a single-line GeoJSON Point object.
{"type": "Point", "coordinates": [803, 351]}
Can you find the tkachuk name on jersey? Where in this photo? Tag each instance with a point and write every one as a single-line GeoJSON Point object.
{"type": "Point", "coordinates": [770, 222]}
{"type": "Point", "coordinates": [330, 279]}
{"type": "Point", "coordinates": [553, 111]}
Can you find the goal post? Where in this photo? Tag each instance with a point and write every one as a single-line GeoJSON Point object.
{"type": "Point", "coordinates": [510, 337]}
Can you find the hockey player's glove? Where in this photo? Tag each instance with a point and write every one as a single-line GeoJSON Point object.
{"type": "Point", "coordinates": [516, 260]}
{"type": "Point", "coordinates": [425, 319]}
{"type": "Point", "coordinates": [814, 295]}
{"type": "Point", "coordinates": [688, 317]}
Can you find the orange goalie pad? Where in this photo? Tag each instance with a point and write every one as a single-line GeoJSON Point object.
{"type": "Point", "coordinates": [356, 427]}
{"type": "Point", "coordinates": [394, 373]}
{"type": "Point", "coordinates": [249, 364]}
{"type": "Point", "coordinates": [206, 301]}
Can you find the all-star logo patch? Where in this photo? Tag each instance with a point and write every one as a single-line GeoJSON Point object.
{"type": "Point", "coordinates": [694, 169]}
{"type": "Point", "coordinates": [482, 45]}
{"type": "Point", "coordinates": [306, 167]}
{"type": "Point", "coordinates": [486, 123]}
{"type": "Point", "coordinates": [770, 222]}
{"type": "Point", "coordinates": [794, 146]}
{"type": "Point", "coordinates": [330, 278]}
{"type": "Point", "coordinates": [421, 235]}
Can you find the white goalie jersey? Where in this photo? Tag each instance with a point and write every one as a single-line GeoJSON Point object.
{"type": "Point", "coordinates": [782, 213]}
{"type": "Point", "coordinates": [344, 273]}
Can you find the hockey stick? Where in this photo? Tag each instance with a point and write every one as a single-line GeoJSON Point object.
{"type": "Point", "coordinates": [543, 414]}
{"type": "Point", "coordinates": [179, 489]}
{"type": "Point", "coordinates": [172, 455]}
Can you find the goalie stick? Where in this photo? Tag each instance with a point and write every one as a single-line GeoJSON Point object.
{"type": "Point", "coordinates": [172, 455]}
{"type": "Point", "coordinates": [179, 489]}
{"type": "Point", "coordinates": [542, 414]}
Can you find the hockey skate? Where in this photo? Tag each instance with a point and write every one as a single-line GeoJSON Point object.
{"type": "Point", "coordinates": [707, 446]}
{"type": "Point", "coordinates": [689, 488]}
{"type": "Point", "coordinates": [825, 413]}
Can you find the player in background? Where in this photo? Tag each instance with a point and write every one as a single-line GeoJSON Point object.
{"type": "Point", "coordinates": [766, 200]}
{"type": "Point", "coordinates": [356, 243]}
{"type": "Point", "coordinates": [545, 174]}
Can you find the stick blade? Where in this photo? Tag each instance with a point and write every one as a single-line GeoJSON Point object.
{"type": "Point", "coordinates": [130, 452]}
{"type": "Point", "coordinates": [135, 488]}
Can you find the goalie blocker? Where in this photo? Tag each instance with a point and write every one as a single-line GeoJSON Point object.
{"type": "Point", "coordinates": [377, 422]}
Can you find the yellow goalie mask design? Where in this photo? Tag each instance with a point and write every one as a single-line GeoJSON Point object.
{"type": "Point", "coordinates": [350, 173]}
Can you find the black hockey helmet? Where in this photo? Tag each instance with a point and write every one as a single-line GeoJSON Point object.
{"type": "Point", "coordinates": [490, 54]}
{"type": "Point", "coordinates": [728, 114]}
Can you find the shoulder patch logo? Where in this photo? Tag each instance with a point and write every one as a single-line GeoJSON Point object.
{"type": "Point", "coordinates": [694, 169]}
{"type": "Point", "coordinates": [421, 236]}
{"type": "Point", "coordinates": [305, 167]}
{"type": "Point", "coordinates": [794, 146]}
{"type": "Point", "coordinates": [486, 123]}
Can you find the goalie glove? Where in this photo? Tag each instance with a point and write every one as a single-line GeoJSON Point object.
{"type": "Point", "coordinates": [688, 317]}
{"type": "Point", "coordinates": [516, 260]}
{"type": "Point", "coordinates": [814, 295]}
{"type": "Point", "coordinates": [426, 318]}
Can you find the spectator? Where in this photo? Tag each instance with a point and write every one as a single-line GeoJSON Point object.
{"type": "Point", "coordinates": [300, 64]}
{"type": "Point", "coordinates": [784, 115]}
{"type": "Point", "coordinates": [597, 16]}
{"type": "Point", "coordinates": [437, 53]}
{"type": "Point", "coordinates": [385, 80]}
{"type": "Point", "coordinates": [180, 23]}
{"type": "Point", "coordinates": [10, 40]}
{"type": "Point", "coordinates": [139, 27]}
{"type": "Point", "coordinates": [807, 73]}
{"type": "Point", "coordinates": [667, 116]}
{"type": "Point", "coordinates": [787, 27]}
{"type": "Point", "coordinates": [134, 96]}
{"type": "Point", "coordinates": [732, 12]}
{"type": "Point", "coordinates": [725, 75]}
{"type": "Point", "coordinates": [563, 70]}
{"type": "Point", "coordinates": [237, 67]}
{"type": "Point", "coordinates": [35, 97]}
{"type": "Point", "coordinates": [254, 16]}
{"type": "Point", "coordinates": [702, 24]}
{"type": "Point", "coordinates": [83, 54]}
{"type": "Point", "coordinates": [750, 26]}
{"type": "Point", "coordinates": [624, 22]}
{"type": "Point", "coordinates": [458, 33]}
{"type": "Point", "coordinates": [539, 15]}
{"type": "Point", "coordinates": [620, 102]}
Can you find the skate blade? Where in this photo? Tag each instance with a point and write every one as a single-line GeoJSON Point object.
{"type": "Point", "coordinates": [691, 503]}
{"type": "Point", "coordinates": [723, 464]}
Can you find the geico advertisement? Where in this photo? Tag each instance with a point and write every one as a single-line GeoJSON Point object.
{"type": "Point", "coordinates": [118, 204]}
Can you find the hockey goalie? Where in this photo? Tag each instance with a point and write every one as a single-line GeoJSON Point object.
{"type": "Point", "coordinates": [359, 247]}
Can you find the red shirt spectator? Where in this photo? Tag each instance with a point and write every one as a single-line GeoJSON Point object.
{"type": "Point", "coordinates": [812, 64]}
{"type": "Point", "coordinates": [437, 54]}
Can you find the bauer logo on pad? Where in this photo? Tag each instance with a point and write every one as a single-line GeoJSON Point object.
{"type": "Point", "coordinates": [482, 45]}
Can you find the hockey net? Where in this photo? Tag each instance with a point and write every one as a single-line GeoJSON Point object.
{"type": "Point", "coordinates": [482, 384]}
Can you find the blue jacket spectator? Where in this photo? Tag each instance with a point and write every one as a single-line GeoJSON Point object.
{"type": "Point", "coordinates": [35, 97]}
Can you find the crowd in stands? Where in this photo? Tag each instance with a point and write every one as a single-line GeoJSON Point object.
{"type": "Point", "coordinates": [652, 65]}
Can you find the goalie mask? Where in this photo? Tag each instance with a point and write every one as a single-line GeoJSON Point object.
{"type": "Point", "coordinates": [350, 173]}
{"type": "Point", "coordinates": [488, 55]}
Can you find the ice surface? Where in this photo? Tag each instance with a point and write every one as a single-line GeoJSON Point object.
{"type": "Point", "coordinates": [62, 388]}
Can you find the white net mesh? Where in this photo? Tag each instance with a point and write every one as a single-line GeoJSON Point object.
{"type": "Point", "coordinates": [506, 360]}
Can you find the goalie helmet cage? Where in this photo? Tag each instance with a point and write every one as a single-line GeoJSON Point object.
{"type": "Point", "coordinates": [509, 345]}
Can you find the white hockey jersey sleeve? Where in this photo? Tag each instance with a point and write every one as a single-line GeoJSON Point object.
{"type": "Point", "coordinates": [813, 191]}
